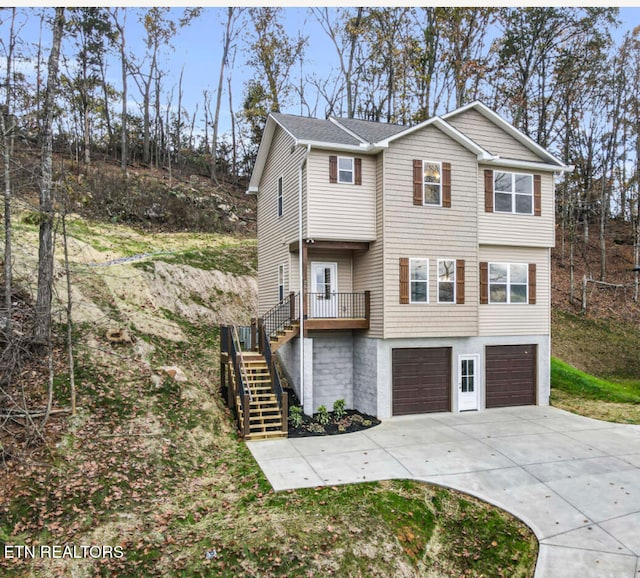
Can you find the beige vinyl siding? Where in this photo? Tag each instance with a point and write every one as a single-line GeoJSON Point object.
{"type": "Point", "coordinates": [514, 228]}
{"type": "Point", "coordinates": [517, 319]}
{"type": "Point", "coordinates": [491, 137]}
{"type": "Point", "coordinates": [339, 211]}
{"type": "Point", "coordinates": [368, 266]}
{"type": "Point", "coordinates": [429, 232]}
{"type": "Point", "coordinates": [275, 233]}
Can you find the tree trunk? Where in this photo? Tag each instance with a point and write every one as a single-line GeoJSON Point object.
{"type": "Point", "coordinates": [42, 323]}
{"type": "Point", "coordinates": [8, 130]}
{"type": "Point", "coordinates": [123, 64]}
{"type": "Point", "coordinates": [216, 116]}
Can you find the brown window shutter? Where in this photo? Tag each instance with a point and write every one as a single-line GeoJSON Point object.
{"type": "Point", "coordinates": [446, 185]}
{"type": "Point", "coordinates": [460, 281]}
{"type": "Point", "coordinates": [357, 169]}
{"type": "Point", "coordinates": [484, 283]}
{"type": "Point", "coordinates": [537, 195]}
{"type": "Point", "coordinates": [333, 169]}
{"type": "Point", "coordinates": [488, 191]}
{"type": "Point", "coordinates": [418, 182]}
{"type": "Point", "coordinates": [532, 283]}
{"type": "Point", "coordinates": [404, 280]}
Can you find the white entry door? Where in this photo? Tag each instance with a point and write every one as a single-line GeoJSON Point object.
{"type": "Point", "coordinates": [468, 376]}
{"type": "Point", "coordinates": [324, 287]}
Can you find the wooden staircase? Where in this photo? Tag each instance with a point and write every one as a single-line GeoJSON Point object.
{"type": "Point", "coordinates": [265, 418]}
{"type": "Point", "coordinates": [284, 335]}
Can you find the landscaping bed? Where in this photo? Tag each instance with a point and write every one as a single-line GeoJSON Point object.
{"type": "Point", "coordinates": [326, 423]}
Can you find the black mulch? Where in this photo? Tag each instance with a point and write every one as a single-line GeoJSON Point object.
{"type": "Point", "coordinates": [352, 421]}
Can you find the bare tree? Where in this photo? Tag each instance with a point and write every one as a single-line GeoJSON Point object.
{"type": "Point", "coordinates": [42, 324]}
{"type": "Point", "coordinates": [230, 34]}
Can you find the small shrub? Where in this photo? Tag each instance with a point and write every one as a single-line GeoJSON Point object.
{"type": "Point", "coordinates": [323, 415]}
{"type": "Point", "coordinates": [367, 423]}
{"type": "Point", "coordinates": [338, 408]}
{"type": "Point", "coordinates": [295, 416]}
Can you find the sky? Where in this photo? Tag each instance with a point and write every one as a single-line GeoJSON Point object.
{"type": "Point", "coordinates": [197, 51]}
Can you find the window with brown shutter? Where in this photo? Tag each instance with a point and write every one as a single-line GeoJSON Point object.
{"type": "Point", "coordinates": [532, 283]}
{"type": "Point", "coordinates": [417, 182]}
{"type": "Point", "coordinates": [404, 280]}
{"type": "Point", "coordinates": [488, 191]}
{"type": "Point", "coordinates": [357, 166]}
{"type": "Point", "coordinates": [537, 195]}
{"type": "Point", "coordinates": [333, 169]}
{"type": "Point", "coordinates": [460, 281]}
{"type": "Point", "coordinates": [484, 283]}
{"type": "Point", "coordinates": [446, 185]}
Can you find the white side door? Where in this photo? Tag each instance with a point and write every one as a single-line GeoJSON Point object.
{"type": "Point", "coordinates": [324, 288]}
{"type": "Point", "coordinates": [468, 382]}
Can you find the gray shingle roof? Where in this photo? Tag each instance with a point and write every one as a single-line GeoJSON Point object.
{"type": "Point", "coordinates": [314, 129]}
{"type": "Point", "coordinates": [371, 131]}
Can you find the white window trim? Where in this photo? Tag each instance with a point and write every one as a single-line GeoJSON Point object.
{"type": "Point", "coordinates": [424, 202]}
{"type": "Point", "coordinates": [508, 283]}
{"type": "Point", "coordinates": [455, 265]}
{"type": "Point", "coordinates": [281, 281]}
{"type": "Point", "coordinates": [353, 171]}
{"type": "Point", "coordinates": [411, 260]}
{"type": "Point", "coordinates": [280, 197]}
{"type": "Point", "coordinates": [512, 192]}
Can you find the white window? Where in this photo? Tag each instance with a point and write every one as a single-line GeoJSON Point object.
{"type": "Point", "coordinates": [345, 170]}
{"type": "Point", "coordinates": [513, 192]}
{"type": "Point", "coordinates": [432, 183]}
{"type": "Point", "coordinates": [280, 283]}
{"type": "Point", "coordinates": [508, 283]}
{"type": "Point", "coordinates": [419, 280]}
{"type": "Point", "coordinates": [280, 200]}
{"type": "Point", "coordinates": [446, 281]}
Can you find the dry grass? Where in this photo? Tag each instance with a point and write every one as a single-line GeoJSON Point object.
{"type": "Point", "coordinates": [597, 409]}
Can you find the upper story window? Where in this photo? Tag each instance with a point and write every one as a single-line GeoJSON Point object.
{"type": "Point", "coordinates": [432, 183]}
{"type": "Point", "coordinates": [345, 170]}
{"type": "Point", "coordinates": [419, 280]}
{"type": "Point", "coordinates": [446, 281]}
{"type": "Point", "coordinates": [280, 198]}
{"type": "Point", "coordinates": [513, 192]}
{"type": "Point", "coordinates": [508, 282]}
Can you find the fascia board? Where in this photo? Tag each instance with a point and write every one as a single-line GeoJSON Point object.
{"type": "Point", "coordinates": [531, 165]}
{"type": "Point", "coordinates": [364, 148]}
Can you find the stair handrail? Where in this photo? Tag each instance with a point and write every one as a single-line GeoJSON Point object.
{"type": "Point", "coordinates": [241, 368]}
{"type": "Point", "coordinates": [281, 314]}
{"type": "Point", "coordinates": [276, 384]}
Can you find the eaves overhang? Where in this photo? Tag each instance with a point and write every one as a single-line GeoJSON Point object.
{"type": "Point", "coordinates": [526, 165]}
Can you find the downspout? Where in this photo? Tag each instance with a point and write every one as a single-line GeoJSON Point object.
{"type": "Point", "coordinates": [301, 272]}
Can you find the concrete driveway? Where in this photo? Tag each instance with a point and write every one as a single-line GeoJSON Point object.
{"type": "Point", "coordinates": [575, 481]}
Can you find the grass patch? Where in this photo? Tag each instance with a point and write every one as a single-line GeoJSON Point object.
{"type": "Point", "coordinates": [614, 400]}
{"type": "Point", "coordinates": [571, 380]}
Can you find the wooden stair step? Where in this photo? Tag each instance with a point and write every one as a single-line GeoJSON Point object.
{"type": "Point", "coordinates": [265, 435]}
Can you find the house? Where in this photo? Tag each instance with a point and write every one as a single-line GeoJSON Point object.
{"type": "Point", "coordinates": [423, 254]}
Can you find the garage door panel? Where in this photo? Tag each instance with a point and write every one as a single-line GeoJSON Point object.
{"type": "Point", "coordinates": [511, 375]}
{"type": "Point", "coordinates": [421, 380]}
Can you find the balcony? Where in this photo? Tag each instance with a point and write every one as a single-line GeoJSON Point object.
{"type": "Point", "coordinates": [331, 310]}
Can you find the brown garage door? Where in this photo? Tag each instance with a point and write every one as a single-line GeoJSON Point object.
{"type": "Point", "coordinates": [511, 375]}
{"type": "Point", "coordinates": [421, 380]}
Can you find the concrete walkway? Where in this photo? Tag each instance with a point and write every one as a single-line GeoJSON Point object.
{"type": "Point", "coordinates": [575, 481]}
